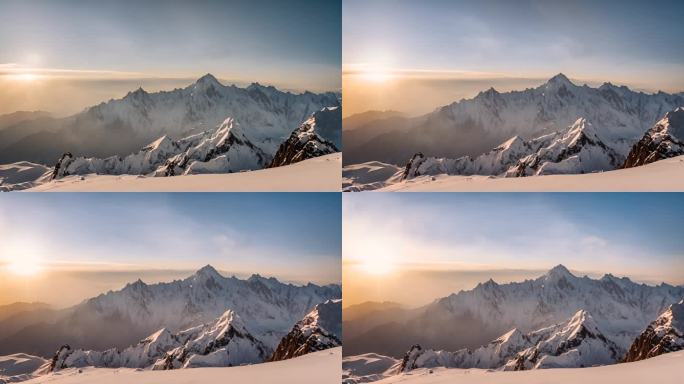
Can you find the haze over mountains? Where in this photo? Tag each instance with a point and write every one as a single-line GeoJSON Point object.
{"type": "Point", "coordinates": [537, 336]}
{"type": "Point", "coordinates": [123, 126]}
{"type": "Point", "coordinates": [121, 318]}
{"type": "Point", "coordinates": [470, 319]}
{"type": "Point", "coordinates": [471, 127]}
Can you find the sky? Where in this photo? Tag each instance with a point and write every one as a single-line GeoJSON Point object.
{"type": "Point", "coordinates": [440, 243]}
{"type": "Point", "coordinates": [64, 55]}
{"type": "Point", "coordinates": [414, 56]}
{"type": "Point", "coordinates": [63, 248]}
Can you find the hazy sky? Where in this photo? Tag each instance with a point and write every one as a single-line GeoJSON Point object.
{"type": "Point", "coordinates": [63, 248]}
{"type": "Point", "coordinates": [57, 49]}
{"type": "Point", "coordinates": [440, 243]}
{"type": "Point", "coordinates": [508, 43]}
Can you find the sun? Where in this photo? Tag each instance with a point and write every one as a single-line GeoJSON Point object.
{"type": "Point", "coordinates": [28, 77]}
{"type": "Point", "coordinates": [25, 266]}
{"type": "Point", "coordinates": [377, 75]}
{"type": "Point", "coordinates": [377, 266]}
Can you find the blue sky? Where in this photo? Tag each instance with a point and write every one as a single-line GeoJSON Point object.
{"type": "Point", "coordinates": [290, 236]}
{"type": "Point", "coordinates": [83, 46]}
{"type": "Point", "coordinates": [630, 234]}
{"type": "Point", "coordinates": [582, 38]}
{"type": "Point", "coordinates": [414, 56]}
{"type": "Point", "coordinates": [446, 242]}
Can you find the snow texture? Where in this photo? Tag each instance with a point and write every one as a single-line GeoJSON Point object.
{"type": "Point", "coordinates": [321, 174]}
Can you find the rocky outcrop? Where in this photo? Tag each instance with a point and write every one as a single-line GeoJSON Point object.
{"type": "Point", "coordinates": [665, 334]}
{"type": "Point", "coordinates": [223, 149]}
{"type": "Point", "coordinates": [224, 342]}
{"type": "Point", "coordinates": [664, 140]}
{"type": "Point", "coordinates": [575, 343]}
{"type": "Point", "coordinates": [314, 138]}
{"type": "Point", "coordinates": [318, 330]}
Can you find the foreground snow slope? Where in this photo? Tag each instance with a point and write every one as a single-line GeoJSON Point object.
{"type": "Point", "coordinates": [664, 369]}
{"type": "Point", "coordinates": [20, 175]}
{"type": "Point", "coordinates": [315, 368]}
{"type": "Point", "coordinates": [663, 175]}
{"type": "Point", "coordinates": [18, 367]}
{"type": "Point", "coordinates": [321, 174]}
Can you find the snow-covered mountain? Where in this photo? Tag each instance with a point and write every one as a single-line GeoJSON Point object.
{"type": "Point", "coordinates": [620, 308]}
{"type": "Point", "coordinates": [223, 342]}
{"type": "Point", "coordinates": [665, 334]}
{"type": "Point", "coordinates": [122, 126]}
{"type": "Point", "coordinates": [121, 318]}
{"type": "Point", "coordinates": [664, 140]}
{"type": "Point", "coordinates": [576, 342]}
{"type": "Point", "coordinates": [320, 329]}
{"type": "Point", "coordinates": [575, 150]}
{"type": "Point", "coordinates": [616, 117]}
{"type": "Point", "coordinates": [319, 135]}
{"type": "Point", "coordinates": [224, 149]}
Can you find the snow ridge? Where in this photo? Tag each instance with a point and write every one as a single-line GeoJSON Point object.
{"type": "Point", "coordinates": [620, 307]}
{"type": "Point", "coordinates": [318, 136]}
{"type": "Point", "coordinates": [269, 307]}
{"type": "Point", "coordinates": [223, 342]}
{"type": "Point", "coordinates": [320, 329]}
{"type": "Point", "coordinates": [576, 342]}
{"type": "Point", "coordinates": [664, 140]}
{"type": "Point", "coordinates": [665, 334]}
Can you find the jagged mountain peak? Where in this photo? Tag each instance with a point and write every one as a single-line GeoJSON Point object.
{"type": "Point", "coordinates": [208, 272]}
{"type": "Point", "coordinates": [665, 334]}
{"type": "Point", "coordinates": [208, 79]}
{"type": "Point", "coordinates": [136, 285]}
{"type": "Point", "coordinates": [137, 94]}
{"type": "Point", "coordinates": [491, 92]}
{"type": "Point", "coordinates": [558, 80]}
{"type": "Point", "coordinates": [558, 272]}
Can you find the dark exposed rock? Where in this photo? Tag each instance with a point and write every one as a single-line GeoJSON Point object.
{"type": "Point", "coordinates": [661, 336]}
{"type": "Point", "coordinates": [309, 140]}
{"type": "Point", "coordinates": [664, 140]}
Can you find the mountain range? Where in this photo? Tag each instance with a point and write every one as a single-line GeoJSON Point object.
{"type": "Point", "coordinates": [554, 116]}
{"type": "Point", "coordinates": [120, 127]}
{"type": "Point", "coordinates": [578, 149]}
{"type": "Point", "coordinates": [118, 319]}
{"type": "Point", "coordinates": [223, 342]}
{"type": "Point", "coordinates": [470, 319]}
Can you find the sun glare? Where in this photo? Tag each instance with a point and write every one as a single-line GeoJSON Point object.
{"type": "Point", "coordinates": [25, 266]}
{"type": "Point", "coordinates": [25, 77]}
{"type": "Point", "coordinates": [377, 266]}
{"type": "Point", "coordinates": [376, 75]}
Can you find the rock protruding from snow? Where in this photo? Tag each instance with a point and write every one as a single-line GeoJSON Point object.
{"type": "Point", "coordinates": [577, 149]}
{"type": "Point", "coordinates": [621, 307]}
{"type": "Point", "coordinates": [490, 356]}
{"type": "Point", "coordinates": [577, 342]}
{"type": "Point", "coordinates": [318, 330]}
{"type": "Point", "coordinates": [664, 140]}
{"type": "Point", "coordinates": [224, 149]}
{"type": "Point", "coordinates": [317, 136]}
{"type": "Point", "coordinates": [222, 343]}
{"type": "Point", "coordinates": [665, 334]}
